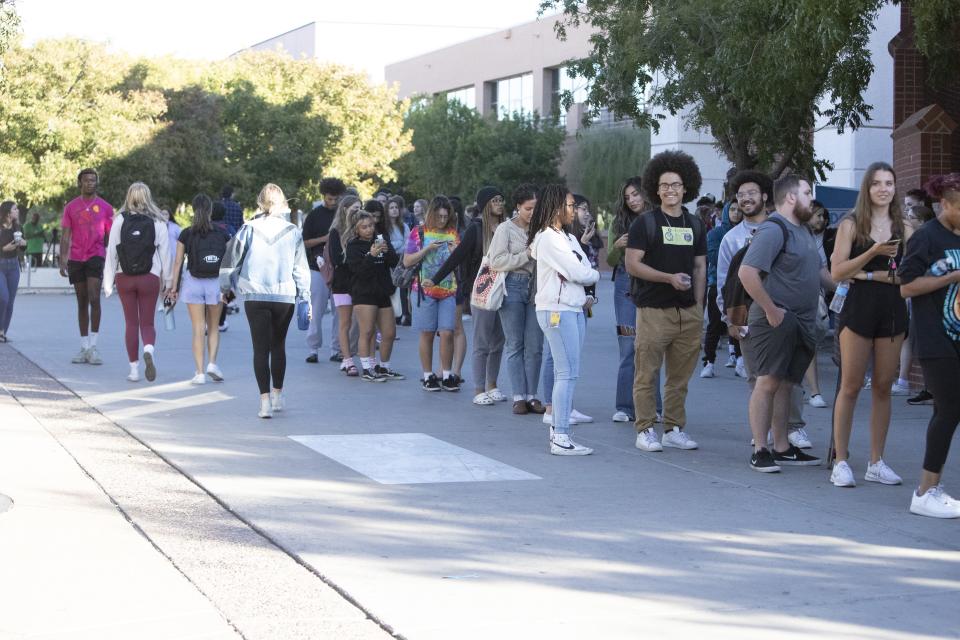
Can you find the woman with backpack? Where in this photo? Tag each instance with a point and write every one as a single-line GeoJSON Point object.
{"type": "Point", "coordinates": [202, 245]}
{"type": "Point", "coordinates": [138, 263]}
{"type": "Point", "coordinates": [266, 264]}
{"type": "Point", "coordinates": [335, 258]}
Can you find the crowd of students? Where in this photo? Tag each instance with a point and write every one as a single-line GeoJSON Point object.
{"type": "Point", "coordinates": [762, 266]}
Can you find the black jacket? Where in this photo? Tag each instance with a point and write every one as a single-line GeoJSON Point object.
{"type": "Point", "coordinates": [370, 275]}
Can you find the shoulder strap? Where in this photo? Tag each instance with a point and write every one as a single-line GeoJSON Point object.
{"type": "Point", "coordinates": [783, 228]}
{"type": "Point", "coordinates": [649, 226]}
{"type": "Point", "coordinates": [697, 225]}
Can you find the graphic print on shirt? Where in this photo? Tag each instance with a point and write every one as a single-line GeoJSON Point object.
{"type": "Point", "coordinates": [951, 304]}
{"type": "Point", "coordinates": [678, 236]}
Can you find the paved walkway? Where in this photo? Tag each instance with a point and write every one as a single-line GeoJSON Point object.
{"type": "Point", "coordinates": [621, 544]}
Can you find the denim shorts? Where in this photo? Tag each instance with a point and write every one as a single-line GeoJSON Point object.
{"type": "Point", "coordinates": [432, 315]}
{"type": "Point", "coordinates": [200, 290]}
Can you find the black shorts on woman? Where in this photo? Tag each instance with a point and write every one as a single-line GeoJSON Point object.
{"type": "Point", "coordinates": [874, 309]}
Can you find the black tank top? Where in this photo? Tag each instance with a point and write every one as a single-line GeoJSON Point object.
{"type": "Point", "coordinates": [877, 263]}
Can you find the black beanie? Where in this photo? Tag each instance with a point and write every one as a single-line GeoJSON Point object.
{"type": "Point", "coordinates": [485, 195]}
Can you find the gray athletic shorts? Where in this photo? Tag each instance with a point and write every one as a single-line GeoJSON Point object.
{"type": "Point", "coordinates": [783, 352]}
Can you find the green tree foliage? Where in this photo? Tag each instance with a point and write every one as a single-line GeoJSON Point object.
{"type": "Point", "coordinates": [753, 72]}
{"type": "Point", "coordinates": [456, 151]}
{"type": "Point", "coordinates": [9, 23]}
{"type": "Point", "coordinates": [183, 127]}
{"type": "Point", "coordinates": [937, 28]}
{"type": "Point", "coordinates": [602, 162]}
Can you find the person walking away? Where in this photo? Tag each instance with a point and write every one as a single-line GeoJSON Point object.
{"type": "Point", "coordinates": [781, 334]}
{"type": "Point", "coordinates": [434, 303]}
{"type": "Point", "coordinates": [563, 271]}
{"type": "Point", "coordinates": [266, 264]}
{"type": "Point", "coordinates": [873, 320]}
{"type": "Point", "coordinates": [667, 254]}
{"type": "Point", "coordinates": [233, 212]}
{"type": "Point", "coordinates": [138, 263]}
{"type": "Point", "coordinates": [488, 338]}
{"type": "Point", "coordinates": [316, 230]}
{"type": "Point", "coordinates": [523, 338]}
{"type": "Point", "coordinates": [11, 241]}
{"type": "Point", "coordinates": [202, 245]}
{"type": "Point", "coordinates": [86, 223]}
{"type": "Point", "coordinates": [344, 343]}
{"type": "Point", "coordinates": [35, 236]}
{"type": "Point", "coordinates": [930, 277]}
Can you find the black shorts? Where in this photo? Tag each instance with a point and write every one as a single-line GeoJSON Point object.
{"type": "Point", "coordinates": [381, 302]}
{"type": "Point", "coordinates": [78, 272]}
{"type": "Point", "coordinates": [874, 310]}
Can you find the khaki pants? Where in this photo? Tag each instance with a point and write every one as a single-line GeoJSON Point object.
{"type": "Point", "coordinates": [669, 338]}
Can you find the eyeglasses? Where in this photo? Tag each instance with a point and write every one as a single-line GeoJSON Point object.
{"type": "Point", "coordinates": [753, 193]}
{"type": "Point", "coordinates": [670, 186]}
{"type": "Point", "coordinates": [497, 200]}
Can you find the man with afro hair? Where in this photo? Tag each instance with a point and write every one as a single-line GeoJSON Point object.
{"type": "Point", "coordinates": [667, 257]}
{"type": "Point", "coordinates": [316, 228]}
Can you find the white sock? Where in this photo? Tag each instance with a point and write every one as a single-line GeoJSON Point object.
{"type": "Point", "coordinates": [903, 383]}
{"type": "Point", "coordinates": [366, 363]}
{"type": "Point", "coordinates": [148, 348]}
{"type": "Point", "coordinates": [135, 365]}
{"type": "Point", "coordinates": [518, 397]}
{"type": "Point", "coordinates": [446, 374]}
{"type": "Point", "coordinates": [93, 339]}
{"type": "Point", "coordinates": [84, 342]}
{"type": "Point", "coordinates": [385, 365]}
{"type": "Point", "coordinates": [427, 374]}
{"type": "Point", "coordinates": [529, 397]}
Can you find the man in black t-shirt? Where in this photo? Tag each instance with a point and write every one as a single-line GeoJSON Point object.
{"type": "Point", "coordinates": [315, 230]}
{"type": "Point", "coordinates": [667, 257]}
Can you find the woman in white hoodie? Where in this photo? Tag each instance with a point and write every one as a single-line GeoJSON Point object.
{"type": "Point", "coordinates": [563, 271]}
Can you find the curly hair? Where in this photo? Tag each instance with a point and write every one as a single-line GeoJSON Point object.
{"type": "Point", "coordinates": [332, 187]}
{"type": "Point", "coordinates": [944, 187]}
{"type": "Point", "coordinates": [758, 178]}
{"type": "Point", "coordinates": [676, 162]}
{"type": "Point", "coordinates": [523, 193]}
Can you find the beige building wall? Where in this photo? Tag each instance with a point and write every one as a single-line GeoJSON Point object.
{"type": "Point", "coordinates": [528, 48]}
{"type": "Point", "coordinates": [299, 43]}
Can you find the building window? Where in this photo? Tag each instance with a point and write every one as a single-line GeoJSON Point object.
{"type": "Point", "coordinates": [467, 96]}
{"type": "Point", "coordinates": [562, 82]}
{"type": "Point", "coordinates": [514, 95]}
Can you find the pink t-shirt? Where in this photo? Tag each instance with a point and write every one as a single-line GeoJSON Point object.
{"type": "Point", "coordinates": [89, 222]}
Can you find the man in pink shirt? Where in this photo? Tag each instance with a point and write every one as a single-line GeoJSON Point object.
{"type": "Point", "coordinates": [86, 225]}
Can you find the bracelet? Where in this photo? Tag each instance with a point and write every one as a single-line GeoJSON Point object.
{"type": "Point", "coordinates": [869, 275]}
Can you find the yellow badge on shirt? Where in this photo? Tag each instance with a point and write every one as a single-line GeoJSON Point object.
{"type": "Point", "coordinates": [679, 236]}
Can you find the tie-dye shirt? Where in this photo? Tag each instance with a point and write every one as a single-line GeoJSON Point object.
{"type": "Point", "coordinates": [435, 259]}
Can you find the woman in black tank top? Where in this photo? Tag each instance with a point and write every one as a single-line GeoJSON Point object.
{"type": "Point", "coordinates": [873, 320]}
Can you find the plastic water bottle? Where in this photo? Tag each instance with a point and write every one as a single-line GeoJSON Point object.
{"type": "Point", "coordinates": [169, 321]}
{"type": "Point", "coordinates": [839, 297]}
{"type": "Point", "coordinates": [943, 266]}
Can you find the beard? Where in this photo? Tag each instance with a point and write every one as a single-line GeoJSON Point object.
{"type": "Point", "coordinates": [758, 208]}
{"type": "Point", "coordinates": [803, 214]}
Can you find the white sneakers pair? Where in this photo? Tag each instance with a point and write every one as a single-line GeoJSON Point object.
{"type": "Point", "coordinates": [271, 404]}
{"type": "Point", "coordinates": [149, 366]}
{"type": "Point", "coordinates": [675, 438]}
{"type": "Point", "coordinates": [842, 474]}
{"type": "Point", "coordinates": [213, 371]}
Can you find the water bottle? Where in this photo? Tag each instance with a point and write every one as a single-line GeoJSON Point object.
{"type": "Point", "coordinates": [169, 322]}
{"type": "Point", "coordinates": [943, 266]}
{"type": "Point", "coordinates": [839, 297]}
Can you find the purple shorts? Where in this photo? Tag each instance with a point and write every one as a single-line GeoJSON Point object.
{"type": "Point", "coordinates": [200, 290]}
{"type": "Point", "coordinates": [342, 300]}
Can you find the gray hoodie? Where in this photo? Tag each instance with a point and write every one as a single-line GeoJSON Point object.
{"type": "Point", "coordinates": [266, 262]}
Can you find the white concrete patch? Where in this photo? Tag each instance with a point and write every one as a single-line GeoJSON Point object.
{"type": "Point", "coordinates": [410, 458]}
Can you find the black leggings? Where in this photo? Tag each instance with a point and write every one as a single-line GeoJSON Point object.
{"type": "Point", "coordinates": [941, 376]}
{"type": "Point", "coordinates": [716, 328]}
{"type": "Point", "coordinates": [269, 322]}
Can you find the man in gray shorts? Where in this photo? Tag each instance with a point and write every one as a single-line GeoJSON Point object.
{"type": "Point", "coordinates": [784, 282]}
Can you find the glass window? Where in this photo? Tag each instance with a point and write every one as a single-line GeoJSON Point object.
{"type": "Point", "coordinates": [466, 96]}
{"type": "Point", "coordinates": [515, 95]}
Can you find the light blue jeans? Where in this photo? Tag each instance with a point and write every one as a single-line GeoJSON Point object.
{"type": "Point", "coordinates": [524, 338]}
{"type": "Point", "coordinates": [9, 281]}
{"type": "Point", "coordinates": [566, 342]}
{"type": "Point", "coordinates": [625, 312]}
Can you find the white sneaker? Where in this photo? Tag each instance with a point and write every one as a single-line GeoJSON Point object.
{"type": "Point", "coordinates": [935, 503]}
{"type": "Point", "coordinates": [659, 418]}
{"type": "Point", "coordinates": [265, 409]}
{"type": "Point", "coordinates": [798, 437]}
{"type": "Point", "coordinates": [899, 390]}
{"type": "Point", "coordinates": [224, 326]}
{"type": "Point", "coordinates": [80, 358]}
{"type": "Point", "coordinates": [149, 366]}
{"type": "Point", "coordinates": [562, 445]}
{"type": "Point", "coordinates": [548, 419]}
{"type": "Point", "coordinates": [707, 371]}
{"type": "Point", "coordinates": [200, 378]}
{"type": "Point", "coordinates": [93, 356]}
{"type": "Point", "coordinates": [817, 401]}
{"type": "Point", "coordinates": [620, 416]}
{"type": "Point", "coordinates": [867, 383]}
{"type": "Point", "coordinates": [647, 440]}
{"type": "Point", "coordinates": [731, 362]}
{"type": "Point", "coordinates": [881, 473]}
{"type": "Point", "coordinates": [134, 375]}
{"type": "Point", "coordinates": [678, 439]}
{"type": "Point", "coordinates": [276, 401]}
{"type": "Point", "coordinates": [842, 475]}
{"type": "Point", "coordinates": [579, 418]}
{"type": "Point", "coordinates": [214, 372]}
{"type": "Point", "coordinates": [741, 368]}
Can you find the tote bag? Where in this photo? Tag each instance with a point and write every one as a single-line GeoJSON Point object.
{"type": "Point", "coordinates": [488, 288]}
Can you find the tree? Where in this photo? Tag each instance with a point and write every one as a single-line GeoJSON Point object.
{"type": "Point", "coordinates": [9, 25]}
{"type": "Point", "coordinates": [456, 151]}
{"type": "Point", "coordinates": [752, 72]}
{"type": "Point", "coordinates": [937, 28]}
{"type": "Point", "coordinates": [603, 160]}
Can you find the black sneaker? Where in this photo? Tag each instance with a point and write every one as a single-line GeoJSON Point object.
{"type": "Point", "coordinates": [431, 383]}
{"type": "Point", "coordinates": [387, 374]}
{"type": "Point", "coordinates": [451, 383]}
{"type": "Point", "coordinates": [794, 457]}
{"type": "Point", "coordinates": [924, 397]}
{"type": "Point", "coordinates": [313, 359]}
{"type": "Point", "coordinates": [336, 357]}
{"type": "Point", "coordinates": [763, 462]}
{"type": "Point", "coordinates": [372, 376]}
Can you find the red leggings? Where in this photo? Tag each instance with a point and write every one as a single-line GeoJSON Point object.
{"type": "Point", "coordinates": [138, 296]}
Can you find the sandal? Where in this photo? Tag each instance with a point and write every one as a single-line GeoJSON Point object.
{"type": "Point", "coordinates": [352, 371]}
{"type": "Point", "coordinates": [495, 395]}
{"type": "Point", "coordinates": [520, 407]}
{"type": "Point", "coordinates": [535, 406]}
{"type": "Point", "coordinates": [482, 399]}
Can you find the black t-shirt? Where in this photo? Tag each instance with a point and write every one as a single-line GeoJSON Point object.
{"type": "Point", "coordinates": [931, 312]}
{"type": "Point", "coordinates": [672, 249]}
{"type": "Point", "coordinates": [317, 225]}
{"type": "Point", "coordinates": [6, 237]}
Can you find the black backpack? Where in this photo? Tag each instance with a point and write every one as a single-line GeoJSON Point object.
{"type": "Point", "coordinates": [736, 300]}
{"type": "Point", "coordinates": [206, 253]}
{"type": "Point", "coordinates": [138, 243]}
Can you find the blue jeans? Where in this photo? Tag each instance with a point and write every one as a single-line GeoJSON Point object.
{"type": "Point", "coordinates": [9, 281]}
{"type": "Point", "coordinates": [524, 338]}
{"type": "Point", "coordinates": [566, 342]}
{"type": "Point", "coordinates": [625, 312]}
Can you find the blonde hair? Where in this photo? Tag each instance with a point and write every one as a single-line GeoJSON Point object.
{"type": "Point", "coordinates": [351, 231]}
{"type": "Point", "coordinates": [271, 198]}
{"type": "Point", "coordinates": [490, 221]}
{"type": "Point", "coordinates": [340, 221]}
{"type": "Point", "coordinates": [139, 200]}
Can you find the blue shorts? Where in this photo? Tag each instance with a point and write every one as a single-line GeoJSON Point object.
{"type": "Point", "coordinates": [432, 315]}
{"type": "Point", "coordinates": [199, 290]}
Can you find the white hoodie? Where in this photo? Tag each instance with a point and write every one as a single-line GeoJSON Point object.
{"type": "Point", "coordinates": [562, 271]}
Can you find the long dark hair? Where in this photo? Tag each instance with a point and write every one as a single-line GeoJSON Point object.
{"type": "Point", "coordinates": [6, 208]}
{"type": "Point", "coordinates": [551, 202]}
{"type": "Point", "coordinates": [862, 213]}
{"type": "Point", "coordinates": [202, 214]}
{"type": "Point", "coordinates": [389, 222]}
{"type": "Point", "coordinates": [625, 215]}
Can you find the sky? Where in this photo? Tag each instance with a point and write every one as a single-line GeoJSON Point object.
{"type": "Point", "coordinates": [364, 34]}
